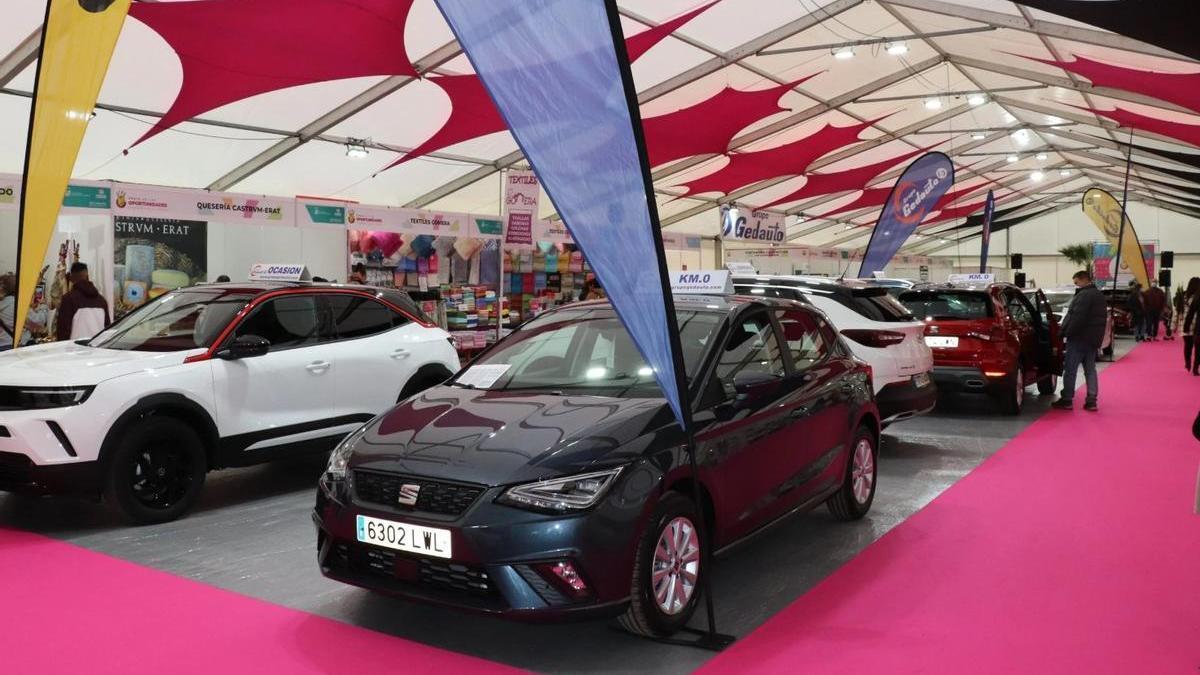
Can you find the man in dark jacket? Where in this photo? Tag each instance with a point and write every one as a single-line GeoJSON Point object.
{"type": "Point", "coordinates": [82, 312]}
{"type": "Point", "coordinates": [1083, 328]}
{"type": "Point", "coordinates": [1156, 301]}
{"type": "Point", "coordinates": [1136, 306]}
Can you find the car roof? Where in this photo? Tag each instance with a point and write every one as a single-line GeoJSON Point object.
{"type": "Point", "coordinates": [265, 286]}
{"type": "Point", "coordinates": [715, 303]}
{"type": "Point", "coordinates": [983, 287]}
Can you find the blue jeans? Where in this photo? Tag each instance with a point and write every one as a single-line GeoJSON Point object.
{"type": "Point", "coordinates": [1077, 354]}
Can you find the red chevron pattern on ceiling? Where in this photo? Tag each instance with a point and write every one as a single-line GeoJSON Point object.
{"type": "Point", "coordinates": [1179, 88]}
{"type": "Point", "coordinates": [789, 159]}
{"type": "Point", "coordinates": [1188, 133]}
{"type": "Point", "coordinates": [472, 115]}
{"type": "Point", "coordinates": [642, 42]}
{"type": "Point", "coordinates": [272, 45]}
{"type": "Point", "coordinates": [870, 198]}
{"type": "Point", "coordinates": [841, 181]}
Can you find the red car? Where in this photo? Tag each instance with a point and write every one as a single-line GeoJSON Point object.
{"type": "Point", "coordinates": [989, 339]}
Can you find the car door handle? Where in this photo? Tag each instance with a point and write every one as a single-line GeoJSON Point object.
{"type": "Point", "coordinates": [799, 411]}
{"type": "Point", "coordinates": [400, 353]}
{"type": "Point", "coordinates": [317, 367]}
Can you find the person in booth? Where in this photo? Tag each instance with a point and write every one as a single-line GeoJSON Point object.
{"type": "Point", "coordinates": [82, 312]}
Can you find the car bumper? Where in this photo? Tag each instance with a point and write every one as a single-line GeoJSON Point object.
{"type": "Point", "coordinates": [494, 548]}
{"type": "Point", "coordinates": [955, 379]}
{"type": "Point", "coordinates": [901, 400]}
{"type": "Point", "coordinates": [18, 473]}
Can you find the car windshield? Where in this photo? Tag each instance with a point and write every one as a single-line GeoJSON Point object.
{"type": "Point", "coordinates": [947, 304]}
{"type": "Point", "coordinates": [177, 321]}
{"type": "Point", "coordinates": [584, 348]}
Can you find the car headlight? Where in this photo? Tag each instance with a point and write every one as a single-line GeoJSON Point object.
{"type": "Point", "coordinates": [340, 457]}
{"type": "Point", "coordinates": [35, 398]}
{"type": "Point", "coordinates": [572, 493]}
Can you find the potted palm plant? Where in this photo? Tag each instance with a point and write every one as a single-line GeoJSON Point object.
{"type": "Point", "coordinates": [1080, 254]}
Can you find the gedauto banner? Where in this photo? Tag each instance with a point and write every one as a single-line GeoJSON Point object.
{"type": "Point", "coordinates": [521, 194]}
{"type": "Point", "coordinates": [989, 208]}
{"type": "Point", "coordinates": [916, 192]}
{"type": "Point", "coordinates": [1105, 211]}
{"type": "Point", "coordinates": [760, 227]}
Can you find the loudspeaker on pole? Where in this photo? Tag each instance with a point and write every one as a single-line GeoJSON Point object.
{"type": "Point", "coordinates": [1168, 259]}
{"type": "Point", "coordinates": [1016, 260]}
{"type": "Point", "coordinates": [1019, 279]}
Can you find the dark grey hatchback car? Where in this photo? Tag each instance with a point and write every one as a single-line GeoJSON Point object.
{"type": "Point", "coordinates": [550, 478]}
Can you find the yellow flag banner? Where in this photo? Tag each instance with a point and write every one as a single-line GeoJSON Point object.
{"type": "Point", "coordinates": [1105, 212]}
{"type": "Point", "coordinates": [78, 39]}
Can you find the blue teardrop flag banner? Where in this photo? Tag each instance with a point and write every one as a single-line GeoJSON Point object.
{"type": "Point", "coordinates": [915, 194]}
{"type": "Point", "coordinates": [555, 73]}
{"type": "Point", "coordinates": [989, 208]}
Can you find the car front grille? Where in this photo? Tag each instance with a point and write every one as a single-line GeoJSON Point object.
{"type": "Point", "coordinates": [448, 499]}
{"type": "Point", "coordinates": [439, 575]}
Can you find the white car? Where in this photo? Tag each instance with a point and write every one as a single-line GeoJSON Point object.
{"type": "Point", "coordinates": [208, 377]}
{"type": "Point", "coordinates": [877, 328]}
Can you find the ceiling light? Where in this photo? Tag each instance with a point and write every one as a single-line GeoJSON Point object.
{"type": "Point", "coordinates": [1037, 176]}
{"type": "Point", "coordinates": [897, 48]}
{"type": "Point", "coordinates": [979, 135]}
{"type": "Point", "coordinates": [976, 99]}
{"type": "Point", "coordinates": [1041, 156]}
{"type": "Point", "coordinates": [1011, 159]}
{"type": "Point", "coordinates": [356, 148]}
{"type": "Point", "coordinates": [933, 103]}
{"type": "Point", "coordinates": [1064, 172]}
{"type": "Point", "coordinates": [1008, 118]}
{"type": "Point", "coordinates": [844, 53]}
{"type": "Point", "coordinates": [1021, 136]}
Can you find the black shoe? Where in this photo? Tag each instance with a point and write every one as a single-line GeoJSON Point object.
{"type": "Point", "coordinates": [1090, 406]}
{"type": "Point", "coordinates": [1062, 404]}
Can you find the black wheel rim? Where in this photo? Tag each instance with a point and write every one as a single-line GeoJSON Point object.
{"type": "Point", "coordinates": [161, 476]}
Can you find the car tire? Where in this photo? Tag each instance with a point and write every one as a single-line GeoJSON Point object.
{"type": "Point", "coordinates": [857, 493]}
{"type": "Point", "coordinates": [674, 516]}
{"type": "Point", "coordinates": [1048, 385]}
{"type": "Point", "coordinates": [1012, 399]}
{"type": "Point", "coordinates": [157, 471]}
{"type": "Point", "coordinates": [420, 381]}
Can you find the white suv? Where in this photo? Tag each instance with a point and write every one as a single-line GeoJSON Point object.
{"type": "Point", "coordinates": [878, 329]}
{"type": "Point", "coordinates": [208, 377]}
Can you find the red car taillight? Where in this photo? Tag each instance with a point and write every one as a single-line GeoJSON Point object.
{"type": "Point", "coordinates": [874, 338]}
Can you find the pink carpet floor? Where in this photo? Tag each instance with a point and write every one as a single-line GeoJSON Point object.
{"type": "Point", "coordinates": [1073, 549]}
{"type": "Point", "coordinates": [64, 609]}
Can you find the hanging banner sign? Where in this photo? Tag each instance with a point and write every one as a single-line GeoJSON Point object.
{"type": "Point", "coordinates": [759, 227]}
{"type": "Point", "coordinates": [80, 196]}
{"type": "Point", "coordinates": [321, 213]}
{"type": "Point", "coordinates": [1105, 212]}
{"type": "Point", "coordinates": [1102, 262]}
{"type": "Point", "coordinates": [488, 227]}
{"type": "Point", "coordinates": [154, 255]}
{"type": "Point", "coordinates": [521, 194]}
{"type": "Point", "coordinates": [232, 207]}
{"type": "Point", "coordinates": [437, 223]}
{"type": "Point", "coordinates": [914, 195]}
{"type": "Point", "coordinates": [988, 209]}
{"type": "Point", "coordinates": [146, 200]}
{"type": "Point", "coordinates": [10, 192]}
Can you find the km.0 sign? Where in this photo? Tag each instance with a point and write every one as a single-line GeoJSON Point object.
{"type": "Point", "coordinates": [704, 282]}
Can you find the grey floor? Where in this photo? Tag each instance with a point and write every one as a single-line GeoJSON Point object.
{"type": "Point", "coordinates": [252, 534]}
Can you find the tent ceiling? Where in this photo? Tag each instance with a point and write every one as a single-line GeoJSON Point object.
{"type": "Point", "coordinates": [292, 140]}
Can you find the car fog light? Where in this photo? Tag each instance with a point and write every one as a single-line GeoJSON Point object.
{"type": "Point", "coordinates": [565, 577]}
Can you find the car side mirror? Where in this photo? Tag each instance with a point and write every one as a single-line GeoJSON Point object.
{"type": "Point", "coordinates": [245, 347]}
{"type": "Point", "coordinates": [751, 386]}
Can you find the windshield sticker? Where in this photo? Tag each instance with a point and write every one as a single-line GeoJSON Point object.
{"type": "Point", "coordinates": [483, 376]}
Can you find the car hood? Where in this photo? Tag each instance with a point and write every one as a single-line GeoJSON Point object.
{"type": "Point", "coordinates": [500, 438]}
{"type": "Point", "coordinates": [68, 363]}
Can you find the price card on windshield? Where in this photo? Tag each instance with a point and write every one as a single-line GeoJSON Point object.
{"type": "Point", "coordinates": [483, 376]}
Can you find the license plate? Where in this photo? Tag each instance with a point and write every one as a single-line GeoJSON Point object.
{"type": "Point", "coordinates": [404, 537]}
{"type": "Point", "coordinates": [921, 380]}
{"type": "Point", "coordinates": [938, 341]}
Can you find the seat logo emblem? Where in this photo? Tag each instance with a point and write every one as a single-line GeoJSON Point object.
{"type": "Point", "coordinates": [408, 494]}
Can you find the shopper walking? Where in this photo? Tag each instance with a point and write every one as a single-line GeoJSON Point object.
{"type": "Point", "coordinates": [1191, 336]}
{"type": "Point", "coordinates": [82, 312]}
{"type": "Point", "coordinates": [1135, 305]}
{"type": "Point", "coordinates": [1083, 328]}
{"type": "Point", "coordinates": [1182, 305]}
{"type": "Point", "coordinates": [1156, 302]}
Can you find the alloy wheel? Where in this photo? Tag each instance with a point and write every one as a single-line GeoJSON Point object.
{"type": "Point", "coordinates": [161, 477]}
{"type": "Point", "coordinates": [676, 565]}
{"type": "Point", "coordinates": [863, 471]}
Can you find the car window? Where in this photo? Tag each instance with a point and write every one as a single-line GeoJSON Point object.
{"type": "Point", "coordinates": [180, 320]}
{"type": "Point", "coordinates": [947, 305]}
{"type": "Point", "coordinates": [876, 305]}
{"type": "Point", "coordinates": [751, 347]}
{"type": "Point", "coordinates": [806, 343]}
{"type": "Point", "coordinates": [1017, 307]}
{"type": "Point", "coordinates": [286, 322]}
{"type": "Point", "coordinates": [355, 316]}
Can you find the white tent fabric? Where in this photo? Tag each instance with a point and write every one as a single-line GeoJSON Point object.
{"type": "Point", "coordinates": [292, 142]}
